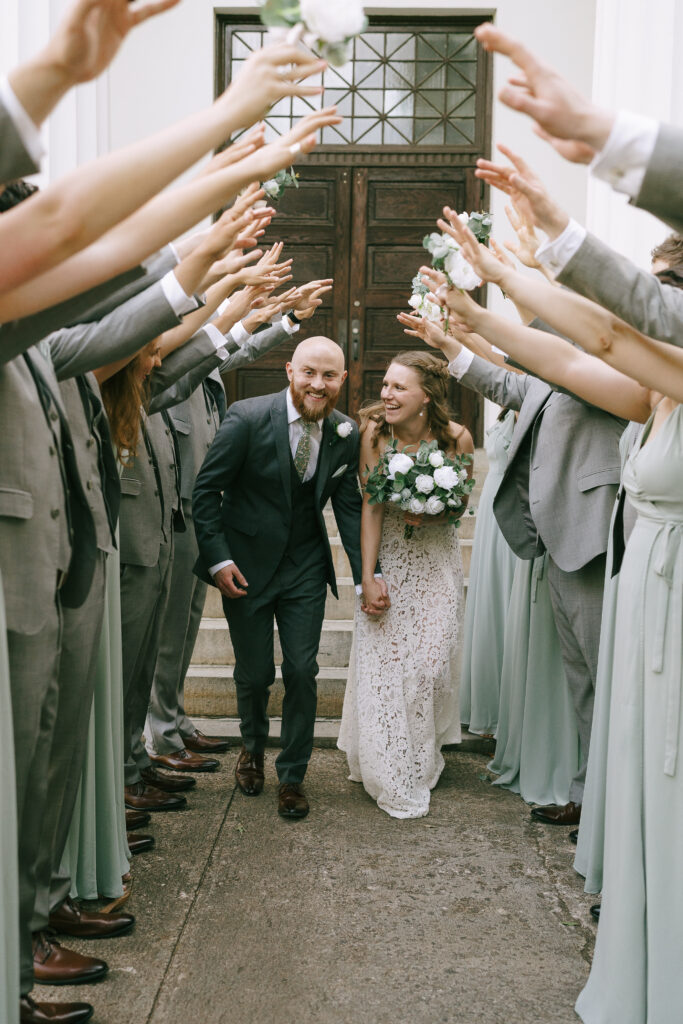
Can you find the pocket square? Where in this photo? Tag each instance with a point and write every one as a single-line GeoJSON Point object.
{"type": "Point", "coordinates": [338, 472]}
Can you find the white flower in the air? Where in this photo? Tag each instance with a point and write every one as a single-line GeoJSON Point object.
{"type": "Point", "coordinates": [440, 245]}
{"type": "Point", "coordinates": [399, 463]}
{"type": "Point", "coordinates": [424, 483]}
{"type": "Point", "coordinates": [436, 459]}
{"type": "Point", "coordinates": [333, 22]}
{"type": "Point", "coordinates": [415, 301]}
{"type": "Point", "coordinates": [464, 218]}
{"type": "Point", "coordinates": [271, 187]}
{"type": "Point", "coordinates": [446, 477]}
{"type": "Point", "coordinates": [417, 507]}
{"type": "Point", "coordinates": [344, 428]}
{"type": "Point", "coordinates": [430, 311]}
{"type": "Point", "coordinates": [460, 272]}
{"type": "Point", "coordinates": [434, 505]}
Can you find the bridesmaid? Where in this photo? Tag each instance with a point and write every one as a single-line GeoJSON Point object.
{"type": "Point", "coordinates": [491, 571]}
{"type": "Point", "coordinates": [537, 748]}
{"type": "Point", "coordinates": [9, 882]}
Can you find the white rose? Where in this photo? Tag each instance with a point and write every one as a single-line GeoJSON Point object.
{"type": "Point", "coordinates": [460, 272]}
{"type": "Point", "coordinates": [406, 494]}
{"type": "Point", "coordinates": [415, 301]}
{"type": "Point", "coordinates": [333, 22]}
{"type": "Point", "coordinates": [399, 463]}
{"type": "Point", "coordinates": [439, 245]}
{"type": "Point", "coordinates": [430, 311]}
{"type": "Point", "coordinates": [463, 475]}
{"type": "Point", "coordinates": [446, 477]}
{"type": "Point", "coordinates": [344, 429]}
{"type": "Point", "coordinates": [424, 484]}
{"type": "Point", "coordinates": [271, 187]}
{"type": "Point", "coordinates": [417, 507]}
{"type": "Point", "coordinates": [396, 496]}
{"type": "Point", "coordinates": [435, 459]}
{"type": "Point", "coordinates": [464, 218]}
{"type": "Point", "coordinates": [434, 505]}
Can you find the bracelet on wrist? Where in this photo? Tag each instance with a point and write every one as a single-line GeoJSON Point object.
{"type": "Point", "coordinates": [293, 317]}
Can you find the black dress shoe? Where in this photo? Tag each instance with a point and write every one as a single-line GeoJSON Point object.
{"type": "Point", "coordinates": [141, 797]}
{"type": "Point", "coordinates": [291, 802]}
{"type": "Point", "coordinates": [198, 743]}
{"type": "Point", "coordinates": [139, 843]}
{"type": "Point", "coordinates": [595, 911]}
{"type": "Point", "coordinates": [249, 772]}
{"type": "Point", "coordinates": [70, 919]}
{"type": "Point", "coordinates": [574, 836]}
{"type": "Point", "coordinates": [556, 814]}
{"type": "Point", "coordinates": [53, 1013]}
{"type": "Point", "coordinates": [166, 783]}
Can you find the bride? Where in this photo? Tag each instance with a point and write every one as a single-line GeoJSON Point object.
{"type": "Point", "coordinates": [401, 702]}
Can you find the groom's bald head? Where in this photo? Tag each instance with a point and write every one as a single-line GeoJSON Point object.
{"type": "Point", "coordinates": [318, 348]}
{"type": "Point", "coordinates": [316, 374]}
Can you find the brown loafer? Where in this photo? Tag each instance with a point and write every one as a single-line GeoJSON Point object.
{"type": "Point", "coordinates": [291, 802]}
{"type": "Point", "coordinates": [139, 843]}
{"type": "Point", "coordinates": [136, 819]}
{"type": "Point", "coordinates": [53, 1013]}
{"type": "Point", "coordinates": [166, 783]}
{"type": "Point", "coordinates": [55, 965]}
{"type": "Point", "coordinates": [198, 743]}
{"type": "Point", "coordinates": [141, 797]}
{"type": "Point", "coordinates": [553, 814]}
{"type": "Point", "coordinates": [69, 919]}
{"type": "Point", "coordinates": [249, 772]}
{"type": "Point", "coordinates": [184, 761]}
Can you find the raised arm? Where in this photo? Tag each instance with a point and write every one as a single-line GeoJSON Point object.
{"type": "Point", "coordinates": [372, 518]}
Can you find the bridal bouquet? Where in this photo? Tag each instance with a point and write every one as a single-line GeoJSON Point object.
{"type": "Point", "coordinates": [425, 483]}
{"type": "Point", "coordinates": [276, 186]}
{"type": "Point", "coordinates": [326, 26]}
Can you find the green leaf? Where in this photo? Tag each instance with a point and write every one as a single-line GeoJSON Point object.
{"type": "Point", "coordinates": [278, 13]}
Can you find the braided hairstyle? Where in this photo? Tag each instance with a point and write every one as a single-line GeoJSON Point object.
{"type": "Point", "coordinates": [433, 378]}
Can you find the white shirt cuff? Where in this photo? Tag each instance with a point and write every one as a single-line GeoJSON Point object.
{"type": "Point", "coordinates": [178, 299]}
{"type": "Point", "coordinates": [359, 586]}
{"type": "Point", "coordinates": [556, 253]}
{"type": "Point", "coordinates": [289, 326]}
{"type": "Point", "coordinates": [239, 334]}
{"type": "Point", "coordinates": [459, 366]}
{"type": "Point", "coordinates": [623, 161]}
{"type": "Point", "coordinates": [27, 130]}
{"type": "Point", "coordinates": [213, 569]}
{"type": "Point", "coordinates": [218, 339]}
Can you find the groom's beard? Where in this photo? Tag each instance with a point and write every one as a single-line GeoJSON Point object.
{"type": "Point", "coordinates": [311, 415]}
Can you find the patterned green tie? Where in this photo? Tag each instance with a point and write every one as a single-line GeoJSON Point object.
{"type": "Point", "coordinates": [303, 450]}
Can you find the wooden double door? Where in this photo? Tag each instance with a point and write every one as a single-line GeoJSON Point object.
{"type": "Point", "coordinates": [362, 226]}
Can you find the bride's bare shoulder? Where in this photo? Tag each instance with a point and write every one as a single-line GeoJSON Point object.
{"type": "Point", "coordinates": [462, 438]}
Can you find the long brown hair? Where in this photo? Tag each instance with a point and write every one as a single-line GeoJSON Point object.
{"type": "Point", "coordinates": [433, 375]}
{"type": "Point", "coordinates": [124, 396]}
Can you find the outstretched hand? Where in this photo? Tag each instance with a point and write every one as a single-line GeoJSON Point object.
{"type": "Point", "coordinates": [426, 330]}
{"type": "Point", "coordinates": [530, 196]}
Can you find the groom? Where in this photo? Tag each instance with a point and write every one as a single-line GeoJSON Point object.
{"type": "Point", "coordinates": [258, 503]}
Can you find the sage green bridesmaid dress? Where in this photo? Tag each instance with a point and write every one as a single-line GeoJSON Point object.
{"type": "Point", "coordinates": [96, 855]}
{"type": "Point", "coordinates": [537, 742]}
{"type": "Point", "coordinates": [589, 850]}
{"type": "Point", "coordinates": [9, 881]}
{"type": "Point", "coordinates": [488, 594]}
{"type": "Point", "coordinates": [636, 977]}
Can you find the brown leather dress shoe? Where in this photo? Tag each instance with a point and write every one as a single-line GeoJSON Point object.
{"type": "Point", "coordinates": [553, 814]}
{"type": "Point", "coordinates": [166, 783]}
{"type": "Point", "coordinates": [198, 743]}
{"type": "Point", "coordinates": [53, 1013]}
{"type": "Point", "coordinates": [55, 965]}
{"type": "Point", "coordinates": [139, 843]}
{"type": "Point", "coordinates": [136, 819]}
{"type": "Point", "coordinates": [69, 919]}
{"type": "Point", "coordinates": [249, 772]}
{"type": "Point", "coordinates": [184, 761]}
{"type": "Point", "coordinates": [141, 797]}
{"type": "Point", "coordinates": [291, 802]}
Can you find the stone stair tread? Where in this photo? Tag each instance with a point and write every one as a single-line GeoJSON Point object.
{"type": "Point", "coordinates": [224, 671]}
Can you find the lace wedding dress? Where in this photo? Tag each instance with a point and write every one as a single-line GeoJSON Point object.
{"type": "Point", "coordinates": [401, 702]}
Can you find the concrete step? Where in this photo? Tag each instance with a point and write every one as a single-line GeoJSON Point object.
{"type": "Point", "coordinates": [210, 690]}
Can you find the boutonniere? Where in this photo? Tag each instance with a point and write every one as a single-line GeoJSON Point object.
{"type": "Point", "coordinates": [341, 431]}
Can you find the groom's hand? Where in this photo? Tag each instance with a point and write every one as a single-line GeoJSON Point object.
{"type": "Point", "coordinates": [375, 600]}
{"type": "Point", "coordinates": [231, 582]}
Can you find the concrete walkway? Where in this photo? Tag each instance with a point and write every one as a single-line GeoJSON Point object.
{"type": "Point", "coordinates": [472, 915]}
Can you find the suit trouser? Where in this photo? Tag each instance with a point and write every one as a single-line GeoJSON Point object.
{"type": "Point", "coordinates": [81, 629]}
{"type": "Point", "coordinates": [167, 724]}
{"type": "Point", "coordinates": [34, 666]}
{"type": "Point", "coordinates": [295, 599]}
{"type": "Point", "coordinates": [144, 593]}
{"type": "Point", "coordinates": [576, 598]}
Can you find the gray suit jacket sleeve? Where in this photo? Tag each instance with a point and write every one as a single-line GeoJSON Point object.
{"type": "Point", "coordinates": [119, 334]}
{"type": "Point", "coordinates": [255, 347]}
{"type": "Point", "coordinates": [634, 295]}
{"type": "Point", "coordinates": [502, 386]}
{"type": "Point", "coordinates": [182, 371]}
{"type": "Point", "coordinates": [661, 191]}
{"type": "Point", "coordinates": [15, 160]}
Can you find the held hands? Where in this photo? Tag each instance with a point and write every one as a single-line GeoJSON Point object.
{"type": "Point", "coordinates": [231, 582]}
{"type": "Point", "coordinates": [375, 598]}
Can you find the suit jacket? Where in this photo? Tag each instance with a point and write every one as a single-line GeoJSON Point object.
{"type": "Point", "coordinates": [15, 161]}
{"type": "Point", "coordinates": [661, 191]}
{"type": "Point", "coordinates": [634, 295]}
{"type": "Point", "coordinates": [563, 468]}
{"type": "Point", "coordinates": [242, 498]}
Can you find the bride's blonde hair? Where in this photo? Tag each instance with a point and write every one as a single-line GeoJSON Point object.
{"type": "Point", "coordinates": [432, 372]}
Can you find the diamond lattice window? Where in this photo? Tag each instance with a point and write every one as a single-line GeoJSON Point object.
{"type": "Point", "coordinates": [401, 88]}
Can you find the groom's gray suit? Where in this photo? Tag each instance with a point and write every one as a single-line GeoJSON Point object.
{"type": "Point", "coordinates": [557, 495]}
{"type": "Point", "coordinates": [250, 506]}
